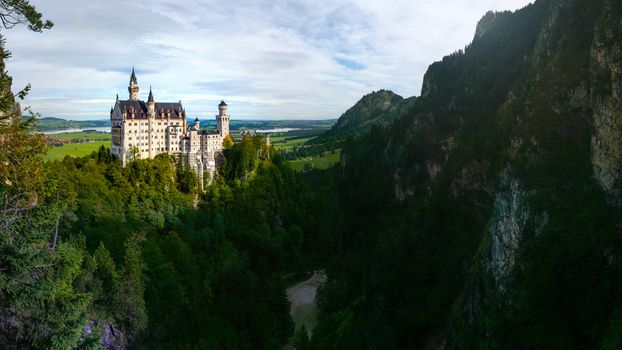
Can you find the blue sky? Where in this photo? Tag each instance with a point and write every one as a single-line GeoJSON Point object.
{"type": "Point", "coordinates": [268, 59]}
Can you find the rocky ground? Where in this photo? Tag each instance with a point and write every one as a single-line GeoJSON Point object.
{"type": "Point", "coordinates": [302, 298]}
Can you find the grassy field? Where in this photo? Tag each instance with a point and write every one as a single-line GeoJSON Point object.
{"type": "Point", "coordinates": [73, 149]}
{"type": "Point", "coordinates": [281, 142]}
{"type": "Point", "coordinates": [77, 149]}
{"type": "Point", "coordinates": [324, 162]}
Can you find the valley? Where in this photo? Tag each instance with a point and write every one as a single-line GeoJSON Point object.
{"type": "Point", "coordinates": [483, 213]}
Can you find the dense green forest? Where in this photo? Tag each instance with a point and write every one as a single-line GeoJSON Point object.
{"type": "Point", "coordinates": [482, 214]}
{"type": "Point", "coordinates": [141, 251]}
{"type": "Point", "coordinates": [490, 213]}
{"type": "Point", "coordinates": [94, 254]}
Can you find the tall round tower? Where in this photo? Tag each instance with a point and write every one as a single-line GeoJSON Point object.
{"type": "Point", "coordinates": [133, 88]}
{"type": "Point", "coordinates": [222, 119]}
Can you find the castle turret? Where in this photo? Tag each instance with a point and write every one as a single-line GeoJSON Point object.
{"type": "Point", "coordinates": [133, 87]}
{"type": "Point", "coordinates": [151, 104]}
{"type": "Point", "coordinates": [222, 119]}
{"type": "Point", "coordinates": [197, 123]}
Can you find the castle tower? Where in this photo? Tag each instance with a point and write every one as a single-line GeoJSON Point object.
{"type": "Point", "coordinates": [222, 119]}
{"type": "Point", "coordinates": [197, 123]}
{"type": "Point", "coordinates": [151, 104]}
{"type": "Point", "coordinates": [133, 88]}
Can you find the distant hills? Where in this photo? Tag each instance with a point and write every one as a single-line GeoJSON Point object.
{"type": "Point", "coordinates": [376, 108]}
{"type": "Point", "coordinates": [51, 123]}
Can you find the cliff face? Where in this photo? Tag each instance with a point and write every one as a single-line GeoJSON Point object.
{"type": "Point", "coordinates": [606, 87]}
{"type": "Point", "coordinates": [511, 164]}
{"type": "Point", "coordinates": [507, 222]}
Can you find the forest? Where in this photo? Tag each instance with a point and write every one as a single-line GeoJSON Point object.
{"type": "Point", "coordinates": [97, 255]}
{"type": "Point", "coordinates": [483, 214]}
{"type": "Point", "coordinates": [141, 251]}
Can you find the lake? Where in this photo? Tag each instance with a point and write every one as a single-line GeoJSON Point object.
{"type": "Point", "coordinates": [276, 130]}
{"type": "Point", "coordinates": [105, 129]}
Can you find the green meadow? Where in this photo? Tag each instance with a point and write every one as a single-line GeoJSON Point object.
{"type": "Point", "coordinates": [323, 162]}
{"type": "Point", "coordinates": [73, 149]}
{"type": "Point", "coordinates": [287, 143]}
{"type": "Point", "coordinates": [77, 149]}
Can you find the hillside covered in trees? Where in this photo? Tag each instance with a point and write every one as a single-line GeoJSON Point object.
{"type": "Point", "coordinates": [124, 256]}
{"type": "Point", "coordinates": [483, 214]}
{"type": "Point", "coordinates": [487, 216]}
{"type": "Point", "coordinates": [378, 108]}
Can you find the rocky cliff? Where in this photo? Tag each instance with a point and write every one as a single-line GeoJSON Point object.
{"type": "Point", "coordinates": [507, 172]}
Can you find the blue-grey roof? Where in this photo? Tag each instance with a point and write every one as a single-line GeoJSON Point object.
{"type": "Point", "coordinates": [140, 108]}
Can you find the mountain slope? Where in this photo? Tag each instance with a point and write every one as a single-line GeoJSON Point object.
{"type": "Point", "coordinates": [490, 211]}
{"type": "Point", "coordinates": [376, 108]}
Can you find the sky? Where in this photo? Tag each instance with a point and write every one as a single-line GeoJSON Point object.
{"type": "Point", "coordinates": [281, 59]}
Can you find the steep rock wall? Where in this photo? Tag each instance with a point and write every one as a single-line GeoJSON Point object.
{"type": "Point", "coordinates": [606, 85]}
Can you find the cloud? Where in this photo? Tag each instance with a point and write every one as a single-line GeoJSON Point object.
{"type": "Point", "coordinates": [268, 59]}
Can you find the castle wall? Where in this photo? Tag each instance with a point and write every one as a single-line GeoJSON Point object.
{"type": "Point", "coordinates": [162, 128]}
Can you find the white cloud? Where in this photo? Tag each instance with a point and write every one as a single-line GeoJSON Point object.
{"type": "Point", "coordinates": [277, 59]}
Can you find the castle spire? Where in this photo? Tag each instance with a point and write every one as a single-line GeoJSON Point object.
{"type": "Point", "coordinates": [133, 78]}
{"type": "Point", "coordinates": [151, 104]}
{"type": "Point", "coordinates": [133, 88]}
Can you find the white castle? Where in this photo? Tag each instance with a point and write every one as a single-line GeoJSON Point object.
{"type": "Point", "coordinates": [145, 129]}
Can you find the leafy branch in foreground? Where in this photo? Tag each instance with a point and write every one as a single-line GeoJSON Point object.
{"type": "Point", "coordinates": [14, 12]}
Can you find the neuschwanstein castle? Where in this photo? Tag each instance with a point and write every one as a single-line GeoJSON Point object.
{"type": "Point", "coordinates": [146, 129]}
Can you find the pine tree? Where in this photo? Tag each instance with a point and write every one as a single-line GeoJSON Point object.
{"type": "Point", "coordinates": [106, 273]}
{"type": "Point", "coordinates": [40, 306]}
{"type": "Point", "coordinates": [130, 303]}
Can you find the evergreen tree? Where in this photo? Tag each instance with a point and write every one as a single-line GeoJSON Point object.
{"type": "Point", "coordinates": [130, 303]}
{"type": "Point", "coordinates": [40, 306]}
{"type": "Point", "coordinates": [106, 273]}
